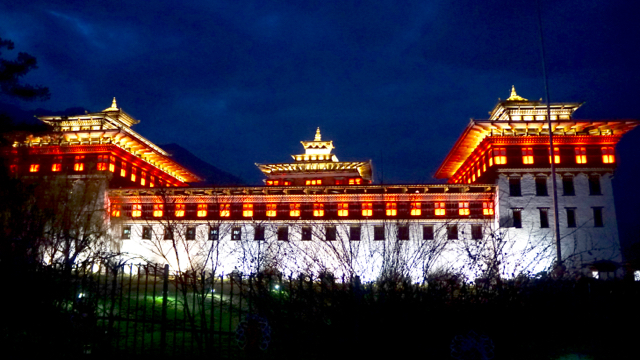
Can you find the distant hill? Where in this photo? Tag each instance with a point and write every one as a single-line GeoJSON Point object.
{"type": "Point", "coordinates": [211, 174]}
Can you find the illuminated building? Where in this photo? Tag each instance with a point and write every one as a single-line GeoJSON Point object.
{"type": "Point", "coordinates": [318, 214]}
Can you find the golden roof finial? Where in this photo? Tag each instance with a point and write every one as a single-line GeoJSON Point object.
{"type": "Point", "coordinates": [318, 136]}
{"type": "Point", "coordinates": [514, 96]}
{"type": "Point", "coordinates": [114, 106]}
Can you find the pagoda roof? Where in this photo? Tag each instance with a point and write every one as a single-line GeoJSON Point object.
{"type": "Point", "coordinates": [111, 126]}
{"type": "Point", "coordinates": [363, 168]}
{"type": "Point", "coordinates": [517, 116]}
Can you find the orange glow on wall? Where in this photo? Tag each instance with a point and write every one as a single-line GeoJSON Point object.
{"type": "Point", "coordinates": [115, 210]}
{"type": "Point", "coordinates": [581, 155]}
{"type": "Point", "coordinates": [416, 209]}
{"type": "Point", "coordinates": [500, 156]}
{"type": "Point", "coordinates": [294, 210]}
{"type": "Point", "coordinates": [608, 155]}
{"type": "Point", "coordinates": [271, 210]}
{"type": "Point", "coordinates": [180, 210]}
{"type": "Point", "coordinates": [136, 210]}
{"type": "Point", "coordinates": [343, 209]}
{"type": "Point", "coordinates": [318, 209]}
{"type": "Point", "coordinates": [463, 208]}
{"type": "Point", "coordinates": [367, 209]}
{"type": "Point", "coordinates": [440, 209]}
{"type": "Point", "coordinates": [556, 155]}
{"type": "Point", "coordinates": [158, 210]}
{"type": "Point", "coordinates": [527, 156]}
{"type": "Point", "coordinates": [487, 208]}
{"type": "Point", "coordinates": [392, 209]}
{"type": "Point", "coordinates": [34, 168]}
{"type": "Point", "coordinates": [202, 210]}
{"type": "Point", "coordinates": [225, 210]}
{"type": "Point", "coordinates": [247, 210]}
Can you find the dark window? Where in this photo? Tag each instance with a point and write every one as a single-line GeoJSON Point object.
{"type": "Point", "coordinates": [514, 187]}
{"type": "Point", "coordinates": [427, 232]}
{"type": "Point", "coordinates": [354, 233]}
{"type": "Point", "coordinates": [517, 218]}
{"type": "Point", "coordinates": [236, 233]}
{"type": "Point", "coordinates": [378, 232]}
{"type": "Point", "coordinates": [191, 232]}
{"type": "Point", "coordinates": [146, 233]}
{"type": "Point", "coordinates": [283, 233]}
{"type": "Point", "coordinates": [306, 233]}
{"type": "Point", "coordinates": [571, 217]}
{"type": "Point", "coordinates": [544, 218]}
{"type": "Point", "coordinates": [258, 232]}
{"type": "Point", "coordinates": [567, 186]}
{"type": "Point", "coordinates": [168, 233]}
{"type": "Point", "coordinates": [403, 232]}
{"type": "Point", "coordinates": [597, 217]}
{"type": "Point", "coordinates": [330, 232]}
{"type": "Point", "coordinates": [541, 186]}
{"type": "Point", "coordinates": [452, 232]}
{"type": "Point", "coordinates": [476, 232]}
{"type": "Point", "coordinates": [126, 232]}
{"type": "Point", "coordinates": [594, 185]}
{"type": "Point", "coordinates": [214, 233]}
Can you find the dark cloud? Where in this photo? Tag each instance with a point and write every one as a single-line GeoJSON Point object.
{"type": "Point", "coordinates": [244, 82]}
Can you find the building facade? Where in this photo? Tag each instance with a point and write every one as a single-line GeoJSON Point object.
{"type": "Point", "coordinates": [316, 214]}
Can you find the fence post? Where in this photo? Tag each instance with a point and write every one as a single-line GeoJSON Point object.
{"type": "Point", "coordinates": [163, 319]}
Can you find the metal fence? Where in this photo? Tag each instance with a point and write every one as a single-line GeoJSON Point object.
{"type": "Point", "coordinates": [147, 310]}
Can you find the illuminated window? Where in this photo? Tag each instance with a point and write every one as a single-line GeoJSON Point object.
{"type": "Point", "coordinates": [286, 183]}
{"type": "Point", "coordinates": [34, 168]}
{"type": "Point", "coordinates": [151, 181]}
{"type": "Point", "coordinates": [392, 209]}
{"type": "Point", "coordinates": [487, 208]}
{"type": "Point", "coordinates": [133, 174]}
{"type": "Point", "coordinates": [556, 156]}
{"type": "Point", "coordinates": [115, 210]}
{"type": "Point", "coordinates": [463, 208]}
{"type": "Point", "coordinates": [416, 209]}
{"type": "Point", "coordinates": [225, 210]}
{"type": "Point", "coordinates": [355, 181]}
{"type": "Point", "coordinates": [158, 210]}
{"type": "Point", "coordinates": [57, 164]}
{"type": "Point", "coordinates": [479, 171]}
{"type": "Point", "coordinates": [608, 155]}
{"type": "Point", "coordinates": [143, 178]}
{"type": "Point", "coordinates": [79, 164]}
{"type": "Point", "coordinates": [314, 182]}
{"type": "Point", "coordinates": [581, 155]}
{"type": "Point", "coordinates": [271, 210]}
{"type": "Point", "coordinates": [318, 209]}
{"type": "Point", "coordinates": [202, 210]}
{"type": "Point", "coordinates": [500, 156]}
{"type": "Point", "coordinates": [343, 209]}
{"type": "Point", "coordinates": [180, 210]}
{"type": "Point", "coordinates": [123, 169]}
{"type": "Point", "coordinates": [269, 182]}
{"type": "Point", "coordinates": [440, 209]}
{"type": "Point", "coordinates": [294, 210]}
{"type": "Point", "coordinates": [112, 164]}
{"type": "Point", "coordinates": [367, 209]}
{"type": "Point", "coordinates": [527, 155]}
{"type": "Point", "coordinates": [490, 159]}
{"type": "Point", "coordinates": [136, 210]}
{"type": "Point", "coordinates": [247, 210]}
{"type": "Point", "coordinates": [102, 162]}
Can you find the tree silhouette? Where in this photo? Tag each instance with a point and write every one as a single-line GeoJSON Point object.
{"type": "Point", "coordinates": [12, 70]}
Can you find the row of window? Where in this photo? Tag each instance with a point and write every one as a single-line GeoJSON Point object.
{"type": "Point", "coordinates": [365, 209]}
{"type": "Point", "coordinates": [105, 163]}
{"type": "Point", "coordinates": [571, 217]}
{"type": "Point", "coordinates": [498, 156]}
{"type": "Point", "coordinates": [349, 181]}
{"type": "Point", "coordinates": [568, 188]}
{"type": "Point", "coordinates": [327, 233]}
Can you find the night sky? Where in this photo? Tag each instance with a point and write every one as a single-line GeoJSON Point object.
{"type": "Point", "coordinates": [240, 82]}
